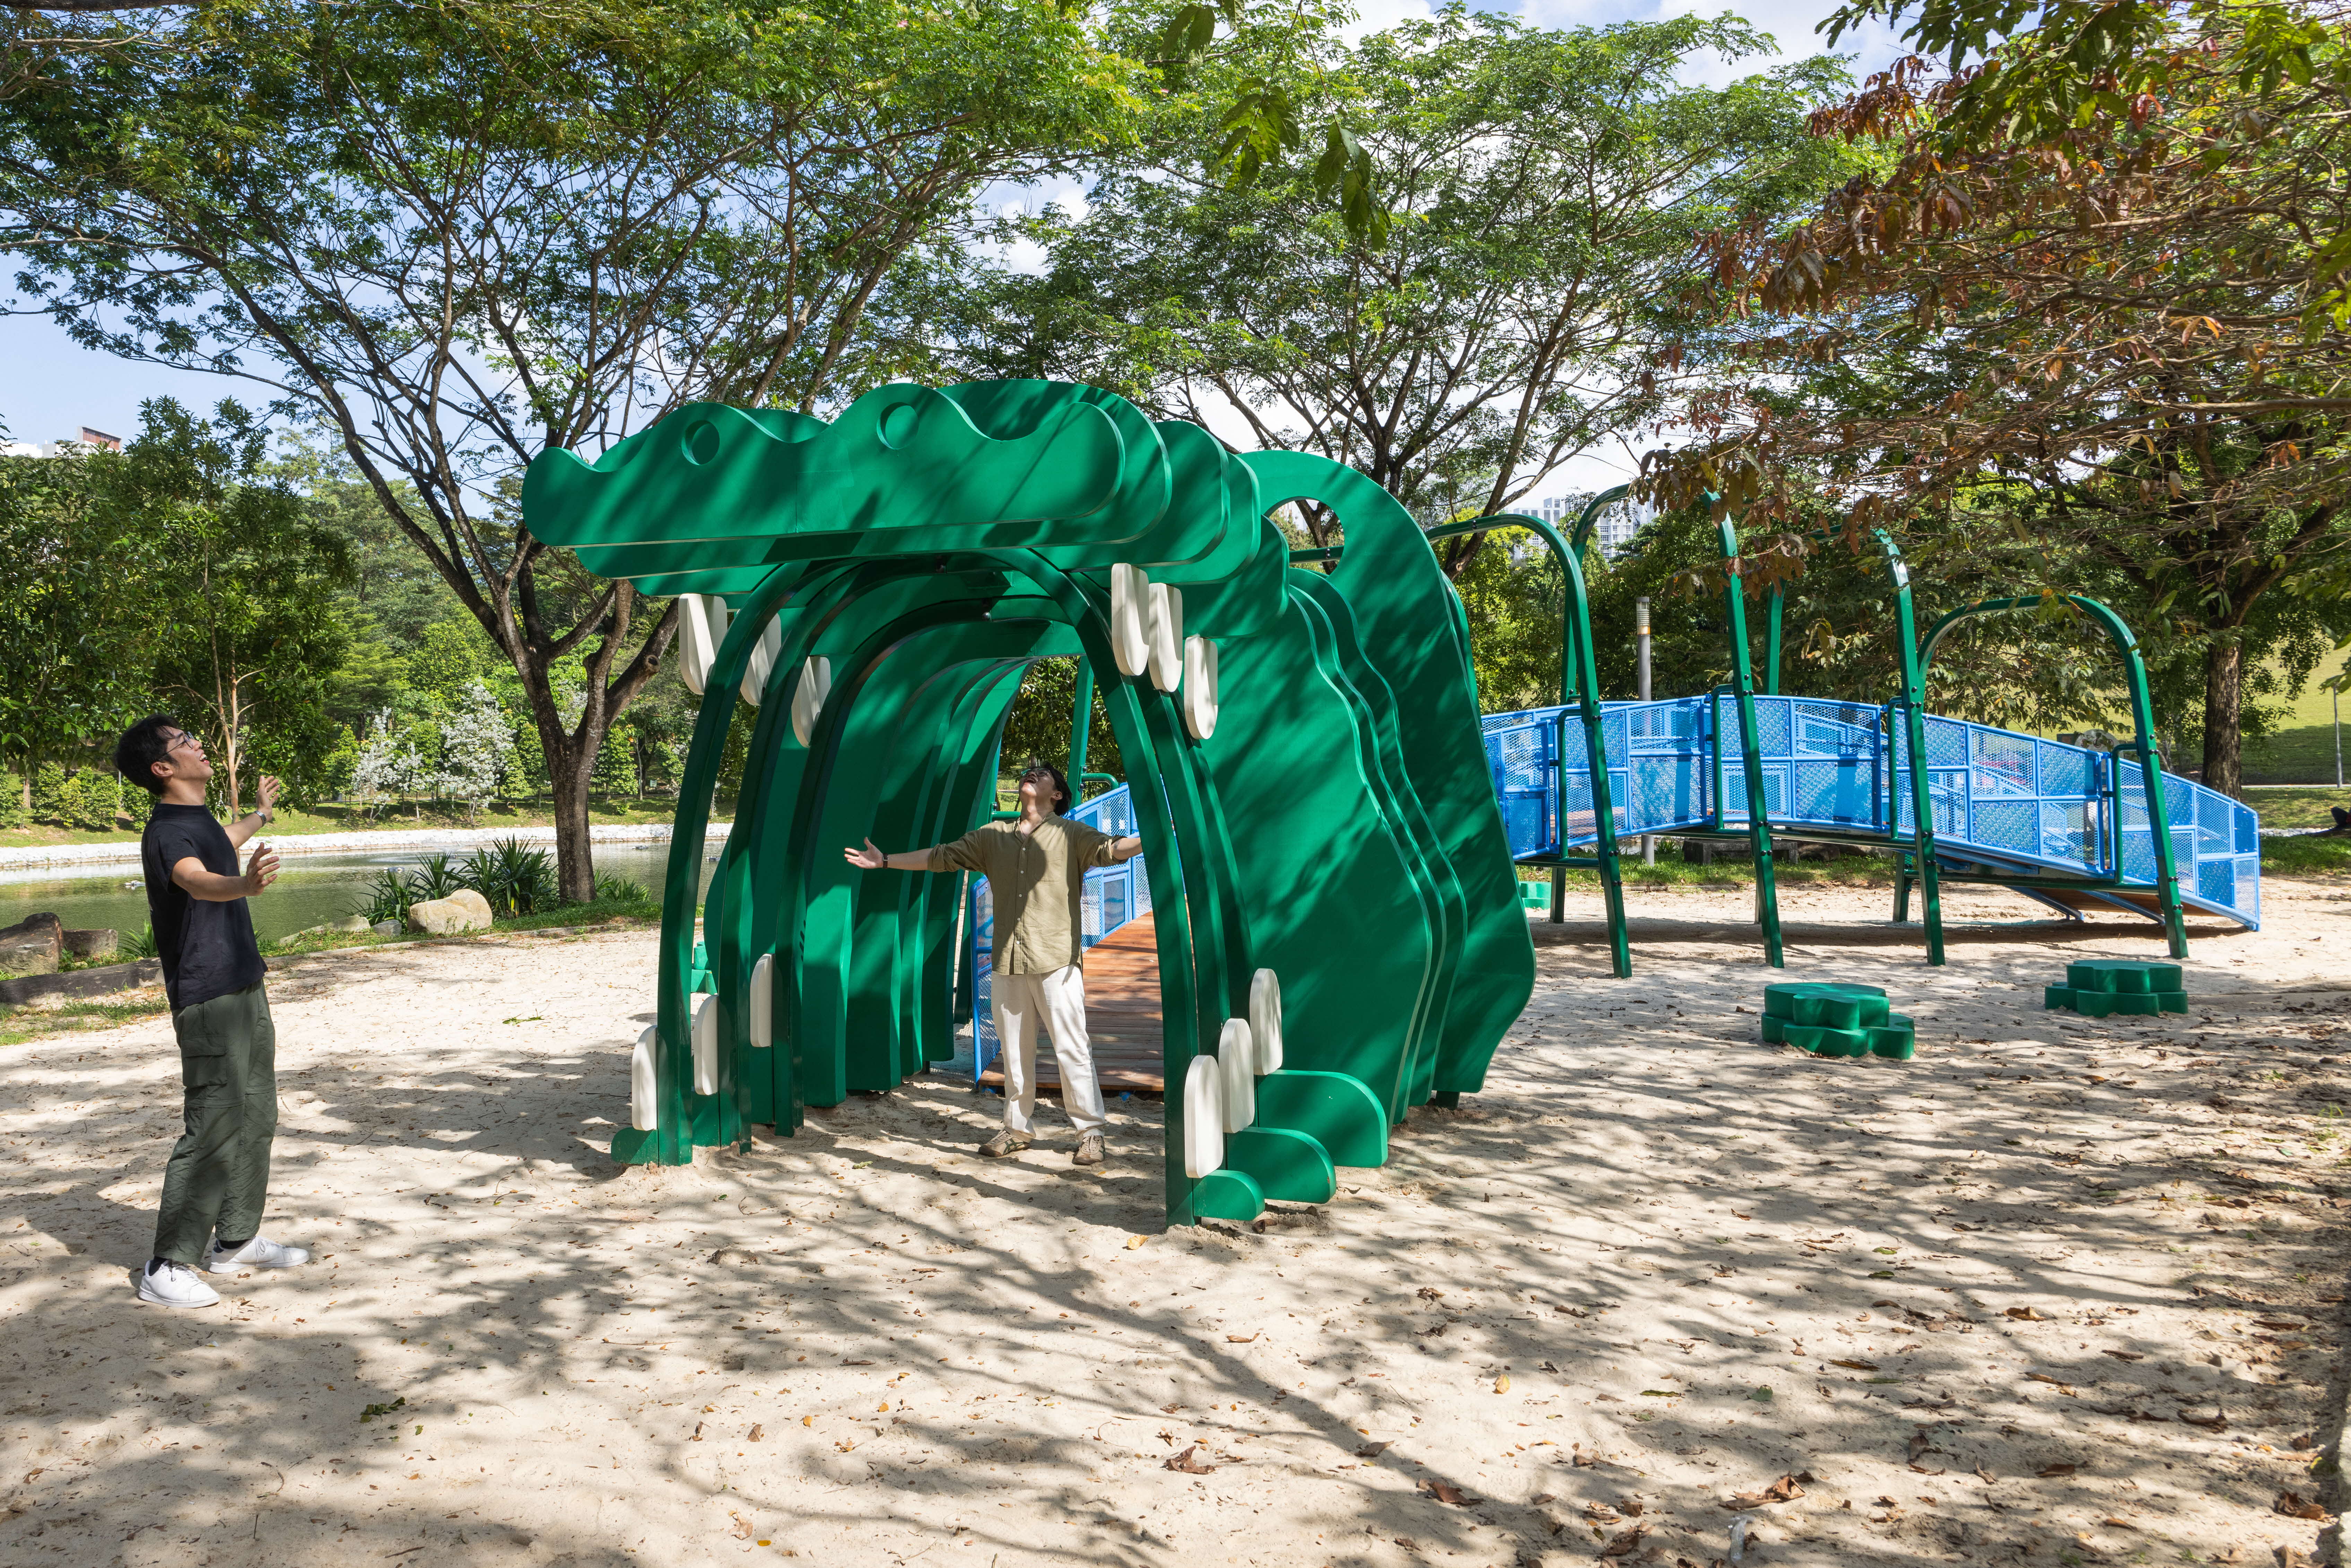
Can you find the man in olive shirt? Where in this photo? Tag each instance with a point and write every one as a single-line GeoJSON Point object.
{"type": "Point", "coordinates": [1036, 867]}
{"type": "Point", "coordinates": [218, 1177]}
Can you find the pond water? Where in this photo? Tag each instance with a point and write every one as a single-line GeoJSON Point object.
{"type": "Point", "coordinates": [312, 890]}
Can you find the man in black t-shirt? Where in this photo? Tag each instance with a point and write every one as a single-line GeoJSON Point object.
{"type": "Point", "coordinates": [218, 1177]}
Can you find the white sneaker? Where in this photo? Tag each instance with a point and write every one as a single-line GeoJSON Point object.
{"type": "Point", "coordinates": [175, 1285]}
{"type": "Point", "coordinates": [258, 1253]}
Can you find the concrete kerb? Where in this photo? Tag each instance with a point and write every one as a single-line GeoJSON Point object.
{"type": "Point", "coordinates": [54, 857]}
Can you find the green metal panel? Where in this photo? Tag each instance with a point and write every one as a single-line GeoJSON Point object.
{"type": "Point", "coordinates": [1341, 1113]}
{"type": "Point", "coordinates": [1284, 1163]}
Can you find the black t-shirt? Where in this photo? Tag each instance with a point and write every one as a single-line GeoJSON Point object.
{"type": "Point", "coordinates": [207, 947]}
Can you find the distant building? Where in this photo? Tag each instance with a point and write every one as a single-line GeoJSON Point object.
{"type": "Point", "coordinates": [88, 441]}
{"type": "Point", "coordinates": [1616, 525]}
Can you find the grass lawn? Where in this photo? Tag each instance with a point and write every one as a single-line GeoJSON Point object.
{"type": "Point", "coordinates": [328, 817]}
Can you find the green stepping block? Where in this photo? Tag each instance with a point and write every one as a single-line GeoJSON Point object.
{"type": "Point", "coordinates": [2102, 988]}
{"type": "Point", "coordinates": [1838, 1020]}
{"type": "Point", "coordinates": [1824, 1005]}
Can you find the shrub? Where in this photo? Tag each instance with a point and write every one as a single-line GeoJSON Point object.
{"type": "Point", "coordinates": [515, 878]}
{"type": "Point", "coordinates": [385, 895]}
{"type": "Point", "coordinates": [435, 878]}
{"type": "Point", "coordinates": [139, 944]}
{"type": "Point", "coordinates": [612, 888]}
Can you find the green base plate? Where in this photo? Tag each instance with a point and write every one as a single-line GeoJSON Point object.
{"type": "Point", "coordinates": [1227, 1195]}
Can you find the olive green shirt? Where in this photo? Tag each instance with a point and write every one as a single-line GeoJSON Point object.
{"type": "Point", "coordinates": [1038, 878]}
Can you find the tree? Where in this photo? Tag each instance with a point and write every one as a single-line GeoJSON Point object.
{"type": "Point", "coordinates": [1539, 189]}
{"type": "Point", "coordinates": [2085, 331]}
{"type": "Point", "coordinates": [240, 593]}
{"type": "Point", "coordinates": [456, 235]}
{"type": "Point", "coordinates": [476, 749]}
{"type": "Point", "coordinates": [74, 631]}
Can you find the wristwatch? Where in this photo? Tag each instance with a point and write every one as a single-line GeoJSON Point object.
{"type": "Point", "coordinates": [263, 813]}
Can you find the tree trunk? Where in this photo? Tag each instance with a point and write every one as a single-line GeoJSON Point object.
{"type": "Point", "coordinates": [2224, 693]}
{"type": "Point", "coordinates": [575, 858]}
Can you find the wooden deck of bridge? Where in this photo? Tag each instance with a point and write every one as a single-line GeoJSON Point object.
{"type": "Point", "coordinates": [1122, 1016]}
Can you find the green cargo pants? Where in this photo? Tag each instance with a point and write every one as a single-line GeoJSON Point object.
{"type": "Point", "coordinates": [218, 1177]}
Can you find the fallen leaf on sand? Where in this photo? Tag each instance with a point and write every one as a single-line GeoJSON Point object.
{"type": "Point", "coordinates": [1601, 1513]}
{"type": "Point", "coordinates": [2043, 1378]}
{"type": "Point", "coordinates": [1190, 1466]}
{"type": "Point", "coordinates": [1372, 1450]}
{"type": "Point", "coordinates": [807, 1420]}
{"type": "Point", "coordinates": [1625, 1543]}
{"type": "Point", "coordinates": [2292, 1506]}
{"type": "Point", "coordinates": [1857, 1366]}
{"type": "Point", "coordinates": [1408, 1542]}
{"type": "Point", "coordinates": [758, 1432]}
{"type": "Point", "coordinates": [1241, 1339]}
{"type": "Point", "coordinates": [1984, 1475]}
{"type": "Point", "coordinates": [2127, 1355]}
{"type": "Point", "coordinates": [1919, 1444]}
{"type": "Point", "coordinates": [2028, 1315]}
{"type": "Point", "coordinates": [2300, 1441]}
{"type": "Point", "coordinates": [2275, 1323]}
{"type": "Point", "coordinates": [1630, 1506]}
{"type": "Point", "coordinates": [1134, 1241]}
{"type": "Point", "coordinates": [697, 1433]}
{"type": "Point", "coordinates": [1445, 1491]}
{"type": "Point", "coordinates": [2047, 1472]}
{"type": "Point", "coordinates": [1583, 1459]}
{"type": "Point", "coordinates": [1502, 1384]}
{"type": "Point", "coordinates": [1170, 1409]}
{"type": "Point", "coordinates": [856, 1364]}
{"type": "Point", "coordinates": [2216, 1421]}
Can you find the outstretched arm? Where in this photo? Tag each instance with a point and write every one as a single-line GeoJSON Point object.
{"type": "Point", "coordinates": [872, 859]}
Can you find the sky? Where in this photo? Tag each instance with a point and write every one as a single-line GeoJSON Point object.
{"type": "Point", "coordinates": [51, 387]}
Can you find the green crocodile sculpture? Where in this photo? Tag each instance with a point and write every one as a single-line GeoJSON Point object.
{"type": "Point", "coordinates": [1302, 749]}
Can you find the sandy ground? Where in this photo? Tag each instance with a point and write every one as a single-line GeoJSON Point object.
{"type": "Point", "coordinates": [2062, 1290]}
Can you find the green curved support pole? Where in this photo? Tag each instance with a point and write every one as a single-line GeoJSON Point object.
{"type": "Point", "coordinates": [1578, 674]}
{"type": "Point", "coordinates": [1742, 688]}
{"type": "Point", "coordinates": [2166, 876]}
{"type": "Point", "coordinates": [1914, 731]}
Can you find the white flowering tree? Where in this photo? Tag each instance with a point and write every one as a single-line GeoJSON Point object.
{"type": "Point", "coordinates": [478, 748]}
{"type": "Point", "coordinates": [388, 765]}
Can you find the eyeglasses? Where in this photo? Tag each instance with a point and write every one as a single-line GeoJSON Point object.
{"type": "Point", "coordinates": [184, 738]}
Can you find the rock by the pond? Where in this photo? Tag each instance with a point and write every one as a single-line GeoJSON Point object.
{"type": "Point", "coordinates": [33, 946]}
{"type": "Point", "coordinates": [99, 944]}
{"type": "Point", "coordinates": [386, 927]}
{"type": "Point", "coordinates": [351, 922]}
{"type": "Point", "coordinates": [464, 910]}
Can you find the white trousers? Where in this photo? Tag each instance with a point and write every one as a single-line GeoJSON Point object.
{"type": "Point", "coordinates": [1055, 1002]}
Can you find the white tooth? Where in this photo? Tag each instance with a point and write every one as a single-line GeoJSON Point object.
{"type": "Point", "coordinates": [1265, 1020]}
{"type": "Point", "coordinates": [703, 1029]}
{"type": "Point", "coordinates": [645, 1083]}
{"type": "Point", "coordinates": [1163, 619]}
{"type": "Point", "coordinates": [1204, 1117]}
{"type": "Point", "coordinates": [1200, 687]}
{"type": "Point", "coordinates": [1237, 1064]}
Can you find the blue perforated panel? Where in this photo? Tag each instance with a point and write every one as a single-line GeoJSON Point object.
{"type": "Point", "coordinates": [2001, 798]}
